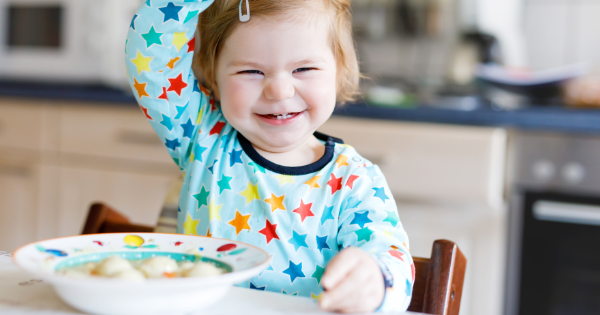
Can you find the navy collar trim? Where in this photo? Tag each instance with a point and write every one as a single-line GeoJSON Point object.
{"type": "Point", "coordinates": [292, 170]}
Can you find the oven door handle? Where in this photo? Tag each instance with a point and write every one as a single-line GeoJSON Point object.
{"type": "Point", "coordinates": [566, 212]}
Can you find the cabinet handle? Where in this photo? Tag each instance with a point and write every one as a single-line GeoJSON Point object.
{"type": "Point", "coordinates": [138, 137]}
{"type": "Point", "coordinates": [15, 170]}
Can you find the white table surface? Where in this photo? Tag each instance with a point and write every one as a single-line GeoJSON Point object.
{"type": "Point", "coordinates": [23, 295]}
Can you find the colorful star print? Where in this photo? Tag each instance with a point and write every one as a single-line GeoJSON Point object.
{"type": "Point", "coordinates": [177, 85]}
{"type": "Point", "coordinates": [284, 179]}
{"type": "Point", "coordinates": [309, 215]}
{"type": "Point", "coordinates": [164, 95]}
{"type": "Point", "coordinates": [341, 161]}
{"type": "Point", "coordinates": [171, 12]}
{"type": "Point", "coordinates": [211, 168]}
{"type": "Point", "coordinates": [188, 129]}
{"type": "Point", "coordinates": [145, 110]}
{"type": "Point", "coordinates": [294, 271]}
{"type": "Point", "coordinates": [363, 234]}
{"type": "Point", "coordinates": [327, 214]}
{"type": "Point", "coordinates": [269, 231]}
{"type": "Point", "coordinates": [275, 202]}
{"type": "Point", "coordinates": [254, 287]}
{"type": "Point", "coordinates": [217, 128]}
{"type": "Point", "coordinates": [361, 218]}
{"type": "Point", "coordinates": [132, 24]}
{"type": "Point", "coordinates": [172, 62]}
{"type": "Point", "coordinates": [335, 183]}
{"type": "Point", "coordinates": [396, 253]}
{"type": "Point", "coordinates": [380, 193]}
{"type": "Point", "coordinates": [304, 210]}
{"type": "Point", "coordinates": [166, 122]}
{"type": "Point", "coordinates": [257, 168]}
{"type": "Point", "coordinates": [322, 243]}
{"type": "Point", "coordinates": [180, 109]}
{"type": "Point", "coordinates": [214, 211]}
{"type": "Point", "coordinates": [392, 218]}
{"type": "Point", "coordinates": [152, 37]}
{"type": "Point", "coordinates": [240, 222]}
{"type": "Point", "coordinates": [251, 193]}
{"type": "Point", "coordinates": [351, 180]}
{"type": "Point", "coordinates": [142, 63]}
{"type": "Point", "coordinates": [318, 274]}
{"type": "Point", "coordinates": [313, 182]}
{"type": "Point", "coordinates": [224, 183]}
{"type": "Point", "coordinates": [191, 44]}
{"type": "Point", "coordinates": [140, 88]}
{"type": "Point", "coordinates": [298, 240]}
{"type": "Point", "coordinates": [172, 144]}
{"type": "Point", "coordinates": [198, 150]}
{"type": "Point", "coordinates": [190, 225]}
{"type": "Point", "coordinates": [202, 197]}
{"type": "Point", "coordinates": [235, 157]}
{"type": "Point", "coordinates": [190, 16]}
{"type": "Point", "coordinates": [179, 40]}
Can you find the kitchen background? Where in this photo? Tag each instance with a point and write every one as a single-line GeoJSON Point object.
{"type": "Point", "coordinates": [481, 113]}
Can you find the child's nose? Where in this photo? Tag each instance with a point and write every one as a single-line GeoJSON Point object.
{"type": "Point", "coordinates": [279, 89]}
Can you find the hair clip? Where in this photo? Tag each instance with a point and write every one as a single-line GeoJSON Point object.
{"type": "Point", "coordinates": [245, 18]}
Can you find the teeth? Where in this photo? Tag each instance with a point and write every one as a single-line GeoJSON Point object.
{"type": "Point", "coordinates": [283, 116]}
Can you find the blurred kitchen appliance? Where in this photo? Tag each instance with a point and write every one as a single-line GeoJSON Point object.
{"type": "Point", "coordinates": [71, 41]}
{"type": "Point", "coordinates": [554, 237]}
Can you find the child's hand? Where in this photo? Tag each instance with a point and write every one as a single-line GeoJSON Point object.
{"type": "Point", "coordinates": [353, 283]}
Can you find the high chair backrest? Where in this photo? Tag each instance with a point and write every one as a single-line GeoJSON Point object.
{"type": "Point", "coordinates": [103, 219]}
{"type": "Point", "coordinates": [439, 280]}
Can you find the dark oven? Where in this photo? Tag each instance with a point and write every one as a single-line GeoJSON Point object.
{"type": "Point", "coordinates": [554, 232]}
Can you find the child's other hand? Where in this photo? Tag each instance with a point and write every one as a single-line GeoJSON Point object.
{"type": "Point", "coordinates": [353, 283]}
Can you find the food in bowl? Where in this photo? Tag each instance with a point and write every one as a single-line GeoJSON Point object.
{"type": "Point", "coordinates": [138, 270]}
{"type": "Point", "coordinates": [109, 294]}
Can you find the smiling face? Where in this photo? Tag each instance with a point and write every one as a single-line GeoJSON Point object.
{"type": "Point", "coordinates": [277, 81]}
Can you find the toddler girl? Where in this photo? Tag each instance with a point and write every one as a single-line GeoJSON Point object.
{"type": "Point", "coordinates": [256, 170]}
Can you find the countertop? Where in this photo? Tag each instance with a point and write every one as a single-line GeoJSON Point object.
{"type": "Point", "coordinates": [539, 118]}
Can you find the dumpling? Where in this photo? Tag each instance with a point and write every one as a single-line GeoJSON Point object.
{"type": "Point", "coordinates": [130, 275]}
{"type": "Point", "coordinates": [75, 273]}
{"type": "Point", "coordinates": [112, 265]}
{"type": "Point", "coordinates": [157, 267]}
{"type": "Point", "coordinates": [202, 269]}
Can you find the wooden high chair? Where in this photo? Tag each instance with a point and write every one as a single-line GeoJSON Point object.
{"type": "Point", "coordinates": [438, 280]}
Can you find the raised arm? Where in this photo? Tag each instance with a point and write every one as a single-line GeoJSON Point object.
{"type": "Point", "coordinates": [159, 52]}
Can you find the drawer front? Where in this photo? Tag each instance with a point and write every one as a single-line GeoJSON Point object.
{"type": "Point", "coordinates": [21, 124]}
{"type": "Point", "coordinates": [430, 162]}
{"type": "Point", "coordinates": [111, 132]}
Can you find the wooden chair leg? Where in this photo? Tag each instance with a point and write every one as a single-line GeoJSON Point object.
{"type": "Point", "coordinates": [445, 281]}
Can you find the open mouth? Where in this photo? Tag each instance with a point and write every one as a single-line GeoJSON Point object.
{"type": "Point", "coordinates": [281, 116]}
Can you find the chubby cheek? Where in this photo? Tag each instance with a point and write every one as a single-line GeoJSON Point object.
{"type": "Point", "coordinates": [236, 99]}
{"type": "Point", "coordinates": [320, 96]}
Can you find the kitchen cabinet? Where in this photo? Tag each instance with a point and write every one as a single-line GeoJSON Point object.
{"type": "Point", "coordinates": [138, 195]}
{"type": "Point", "coordinates": [448, 183]}
{"type": "Point", "coordinates": [58, 157]}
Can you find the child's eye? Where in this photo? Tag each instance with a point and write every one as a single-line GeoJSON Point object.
{"type": "Point", "coordinates": [251, 71]}
{"type": "Point", "coordinates": [303, 70]}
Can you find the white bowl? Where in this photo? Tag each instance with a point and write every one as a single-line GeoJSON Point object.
{"type": "Point", "coordinates": [107, 296]}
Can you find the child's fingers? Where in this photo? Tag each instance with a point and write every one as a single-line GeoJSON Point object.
{"type": "Point", "coordinates": [348, 294]}
{"type": "Point", "coordinates": [340, 265]}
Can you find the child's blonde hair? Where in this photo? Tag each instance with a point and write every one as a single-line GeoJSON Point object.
{"type": "Point", "coordinates": [220, 19]}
